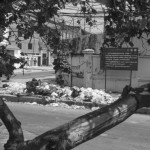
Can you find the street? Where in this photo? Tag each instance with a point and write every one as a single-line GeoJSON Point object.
{"type": "Point", "coordinates": [133, 134]}
{"type": "Point", "coordinates": [45, 73]}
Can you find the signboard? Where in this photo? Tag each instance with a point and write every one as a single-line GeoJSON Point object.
{"type": "Point", "coordinates": [119, 59]}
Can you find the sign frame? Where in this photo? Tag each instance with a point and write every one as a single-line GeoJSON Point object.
{"type": "Point", "coordinates": [119, 59]}
{"type": "Point", "coordinates": [127, 57]}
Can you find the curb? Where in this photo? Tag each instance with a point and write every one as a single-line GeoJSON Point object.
{"type": "Point", "coordinates": [41, 100]}
{"type": "Point", "coordinates": [28, 71]}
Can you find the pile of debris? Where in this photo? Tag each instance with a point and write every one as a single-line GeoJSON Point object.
{"type": "Point", "coordinates": [52, 92]}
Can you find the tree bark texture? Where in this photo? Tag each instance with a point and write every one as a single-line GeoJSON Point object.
{"type": "Point", "coordinates": [73, 133]}
{"type": "Point", "coordinates": [13, 126]}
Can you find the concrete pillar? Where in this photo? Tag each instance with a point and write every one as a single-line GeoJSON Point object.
{"type": "Point", "coordinates": [88, 59]}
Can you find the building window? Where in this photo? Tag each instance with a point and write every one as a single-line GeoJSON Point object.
{"type": "Point", "coordinates": [29, 45]}
{"type": "Point", "coordinates": [19, 33]}
{"type": "Point", "coordinates": [20, 45]}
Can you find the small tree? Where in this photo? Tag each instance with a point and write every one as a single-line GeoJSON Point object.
{"type": "Point", "coordinates": [7, 62]}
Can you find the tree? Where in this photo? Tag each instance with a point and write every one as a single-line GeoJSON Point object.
{"type": "Point", "coordinates": [7, 62]}
{"type": "Point", "coordinates": [36, 15]}
{"type": "Point", "coordinates": [31, 16]}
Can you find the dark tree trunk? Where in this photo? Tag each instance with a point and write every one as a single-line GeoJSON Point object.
{"type": "Point", "coordinates": [12, 124]}
{"type": "Point", "coordinates": [74, 133]}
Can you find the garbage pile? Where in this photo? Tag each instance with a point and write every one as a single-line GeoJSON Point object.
{"type": "Point", "coordinates": [13, 88]}
{"type": "Point", "coordinates": [55, 92]}
{"type": "Point", "coordinates": [52, 92]}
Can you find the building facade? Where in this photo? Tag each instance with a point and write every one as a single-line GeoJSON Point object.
{"type": "Point", "coordinates": [32, 49]}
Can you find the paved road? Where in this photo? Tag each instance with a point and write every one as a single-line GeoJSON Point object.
{"type": "Point", "coordinates": [133, 134]}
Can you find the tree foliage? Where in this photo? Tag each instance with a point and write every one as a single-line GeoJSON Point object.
{"type": "Point", "coordinates": [30, 16]}
{"type": "Point", "coordinates": [126, 19]}
{"type": "Point", "coordinates": [7, 62]}
{"type": "Point", "coordinates": [36, 15]}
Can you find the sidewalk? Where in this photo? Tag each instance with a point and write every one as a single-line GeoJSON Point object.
{"type": "Point", "coordinates": [34, 69]}
{"type": "Point", "coordinates": [39, 67]}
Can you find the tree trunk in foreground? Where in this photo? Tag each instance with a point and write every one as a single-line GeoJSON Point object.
{"type": "Point", "coordinates": [13, 126]}
{"type": "Point", "coordinates": [74, 133]}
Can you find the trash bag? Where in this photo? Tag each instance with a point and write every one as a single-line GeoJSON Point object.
{"type": "Point", "coordinates": [31, 85]}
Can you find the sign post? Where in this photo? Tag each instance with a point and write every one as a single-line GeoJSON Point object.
{"type": "Point", "coordinates": [105, 80]}
{"type": "Point", "coordinates": [119, 59]}
{"type": "Point", "coordinates": [130, 77]}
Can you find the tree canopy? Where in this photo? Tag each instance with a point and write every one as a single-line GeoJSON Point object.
{"type": "Point", "coordinates": [29, 15]}
{"type": "Point", "coordinates": [124, 19]}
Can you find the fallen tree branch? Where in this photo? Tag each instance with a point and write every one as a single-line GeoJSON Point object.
{"type": "Point", "coordinates": [76, 132]}
{"type": "Point", "coordinates": [79, 130]}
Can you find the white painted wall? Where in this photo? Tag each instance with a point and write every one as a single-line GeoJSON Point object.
{"type": "Point", "coordinates": [115, 79]}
